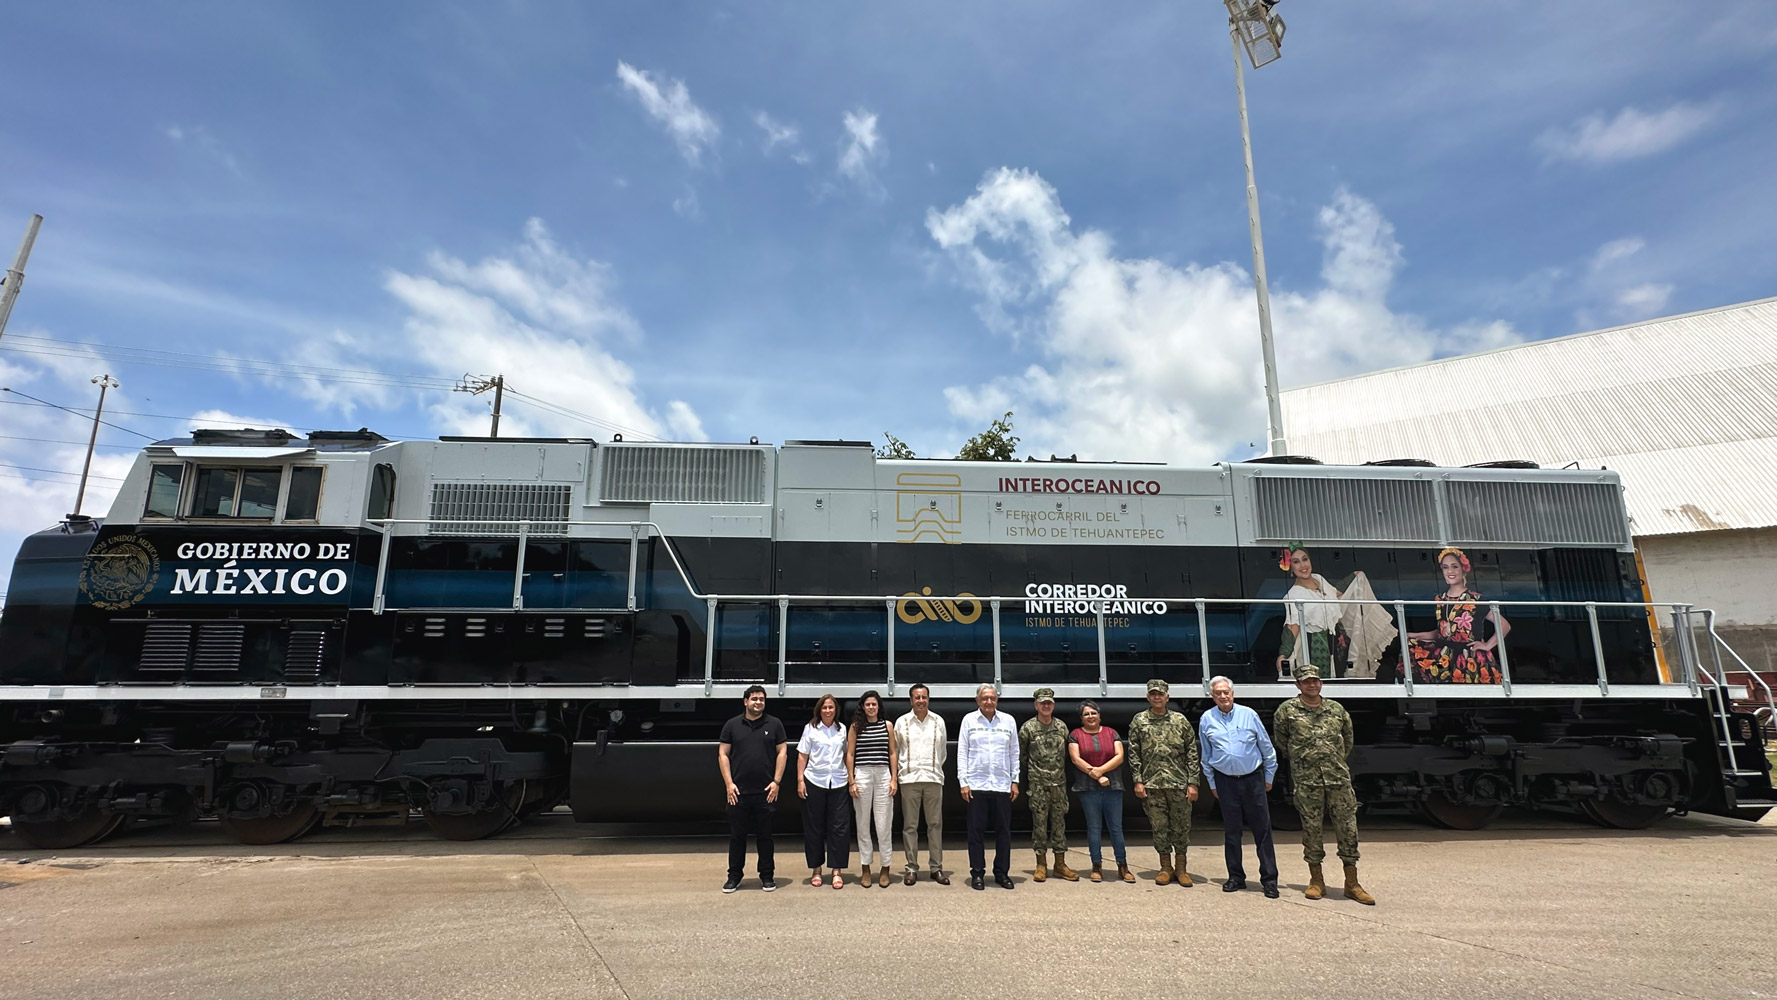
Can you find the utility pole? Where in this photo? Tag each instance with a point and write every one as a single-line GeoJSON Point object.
{"type": "Point", "coordinates": [104, 382]}
{"type": "Point", "coordinates": [15, 276]}
{"type": "Point", "coordinates": [475, 385]}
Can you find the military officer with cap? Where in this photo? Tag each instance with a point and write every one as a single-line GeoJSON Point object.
{"type": "Point", "coordinates": [1165, 761]}
{"type": "Point", "coordinates": [1314, 735]}
{"type": "Point", "coordinates": [1042, 742]}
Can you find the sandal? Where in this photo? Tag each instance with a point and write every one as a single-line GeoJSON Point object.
{"type": "Point", "coordinates": [817, 881]}
{"type": "Point", "coordinates": [838, 881]}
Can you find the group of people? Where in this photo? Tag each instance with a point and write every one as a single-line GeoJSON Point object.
{"type": "Point", "coordinates": [869, 762]}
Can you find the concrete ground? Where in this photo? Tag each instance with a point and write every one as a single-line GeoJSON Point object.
{"type": "Point", "coordinates": [1535, 906]}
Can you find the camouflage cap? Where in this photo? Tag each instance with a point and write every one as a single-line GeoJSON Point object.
{"type": "Point", "coordinates": [1158, 685]}
{"type": "Point", "coordinates": [1307, 670]}
{"type": "Point", "coordinates": [1044, 694]}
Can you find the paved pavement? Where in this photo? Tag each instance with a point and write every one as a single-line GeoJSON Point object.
{"type": "Point", "coordinates": [1534, 906]}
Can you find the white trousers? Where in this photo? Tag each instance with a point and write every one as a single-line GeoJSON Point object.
{"type": "Point", "coordinates": [875, 808]}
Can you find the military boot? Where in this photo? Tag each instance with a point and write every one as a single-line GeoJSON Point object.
{"type": "Point", "coordinates": [1042, 872]}
{"type": "Point", "coordinates": [1179, 873]}
{"type": "Point", "coordinates": [1317, 883]}
{"type": "Point", "coordinates": [1355, 891]}
{"type": "Point", "coordinates": [1165, 875]}
{"type": "Point", "coordinates": [1062, 870]}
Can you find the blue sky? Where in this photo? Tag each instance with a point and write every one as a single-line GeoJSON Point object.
{"type": "Point", "coordinates": [801, 220]}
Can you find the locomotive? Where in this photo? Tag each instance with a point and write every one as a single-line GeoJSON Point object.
{"type": "Point", "coordinates": [282, 631]}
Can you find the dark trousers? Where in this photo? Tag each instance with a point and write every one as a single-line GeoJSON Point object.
{"type": "Point", "coordinates": [990, 809]}
{"type": "Point", "coordinates": [1243, 802]}
{"type": "Point", "coordinates": [752, 815]}
{"type": "Point", "coordinates": [826, 827]}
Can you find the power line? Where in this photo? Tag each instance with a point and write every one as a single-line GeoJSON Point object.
{"type": "Point", "coordinates": [52, 347]}
{"type": "Point", "coordinates": [57, 472]}
{"type": "Point", "coordinates": [14, 437]}
{"type": "Point", "coordinates": [77, 413]}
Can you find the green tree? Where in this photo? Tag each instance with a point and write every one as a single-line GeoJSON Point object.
{"type": "Point", "coordinates": [995, 444]}
{"type": "Point", "coordinates": [894, 448]}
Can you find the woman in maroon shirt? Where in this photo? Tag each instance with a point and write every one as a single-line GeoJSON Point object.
{"type": "Point", "coordinates": [1097, 753]}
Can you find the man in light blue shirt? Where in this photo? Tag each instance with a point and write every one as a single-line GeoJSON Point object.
{"type": "Point", "coordinates": [1240, 763]}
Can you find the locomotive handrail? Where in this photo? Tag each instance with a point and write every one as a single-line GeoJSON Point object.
{"type": "Point", "coordinates": [1746, 668]}
{"type": "Point", "coordinates": [1686, 650]}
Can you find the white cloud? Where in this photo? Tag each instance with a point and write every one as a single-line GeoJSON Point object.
{"type": "Point", "coordinates": [1616, 250]}
{"type": "Point", "coordinates": [1144, 360]}
{"type": "Point", "coordinates": [543, 319]}
{"type": "Point", "coordinates": [781, 134]}
{"type": "Point", "coordinates": [1616, 286]}
{"type": "Point", "coordinates": [1629, 134]}
{"type": "Point", "coordinates": [687, 205]}
{"type": "Point", "coordinates": [199, 138]}
{"type": "Point", "coordinates": [668, 102]}
{"type": "Point", "coordinates": [1644, 301]}
{"type": "Point", "coordinates": [226, 420]}
{"type": "Point", "coordinates": [862, 150]}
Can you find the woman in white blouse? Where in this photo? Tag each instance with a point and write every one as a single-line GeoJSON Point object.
{"type": "Point", "coordinates": [821, 781]}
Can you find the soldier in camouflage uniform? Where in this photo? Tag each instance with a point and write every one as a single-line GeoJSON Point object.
{"type": "Point", "coordinates": [1313, 734]}
{"type": "Point", "coordinates": [1042, 743]}
{"type": "Point", "coordinates": [1165, 761]}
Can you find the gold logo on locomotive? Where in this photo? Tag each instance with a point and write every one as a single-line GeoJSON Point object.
{"type": "Point", "coordinates": [119, 572]}
{"type": "Point", "coordinates": [921, 607]}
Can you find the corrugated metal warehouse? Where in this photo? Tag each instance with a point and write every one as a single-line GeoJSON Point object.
{"type": "Point", "coordinates": [1684, 408]}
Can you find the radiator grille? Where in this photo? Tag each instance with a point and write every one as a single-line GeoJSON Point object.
{"type": "Point", "coordinates": [646, 474]}
{"type": "Point", "coordinates": [302, 657]}
{"type": "Point", "coordinates": [1317, 509]}
{"type": "Point", "coordinates": [1536, 513]}
{"type": "Point", "coordinates": [490, 508]}
{"type": "Point", "coordinates": [165, 649]}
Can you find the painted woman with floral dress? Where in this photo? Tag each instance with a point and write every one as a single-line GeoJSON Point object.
{"type": "Point", "coordinates": [1454, 653]}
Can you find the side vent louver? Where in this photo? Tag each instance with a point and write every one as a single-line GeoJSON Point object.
{"type": "Point", "coordinates": [1536, 513]}
{"type": "Point", "coordinates": [218, 652]}
{"type": "Point", "coordinates": [165, 649]}
{"type": "Point", "coordinates": [302, 657]}
{"type": "Point", "coordinates": [500, 504]}
{"type": "Point", "coordinates": [1312, 509]}
{"type": "Point", "coordinates": [649, 474]}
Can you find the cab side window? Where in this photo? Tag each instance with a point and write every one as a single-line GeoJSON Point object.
{"type": "Point", "coordinates": [304, 500]}
{"type": "Point", "coordinates": [382, 493]}
{"type": "Point", "coordinates": [163, 491]}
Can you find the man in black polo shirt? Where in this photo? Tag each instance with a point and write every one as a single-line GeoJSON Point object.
{"type": "Point", "coordinates": [751, 756]}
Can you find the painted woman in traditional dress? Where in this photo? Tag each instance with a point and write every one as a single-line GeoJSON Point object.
{"type": "Point", "coordinates": [1455, 653]}
{"type": "Point", "coordinates": [1343, 640]}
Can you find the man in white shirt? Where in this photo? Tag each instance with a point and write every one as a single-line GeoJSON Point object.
{"type": "Point", "coordinates": [921, 747]}
{"type": "Point", "coordinates": [987, 769]}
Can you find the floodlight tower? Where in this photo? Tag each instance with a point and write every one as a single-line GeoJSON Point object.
{"type": "Point", "coordinates": [1252, 25]}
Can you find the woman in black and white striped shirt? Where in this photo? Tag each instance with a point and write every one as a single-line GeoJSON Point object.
{"type": "Point", "coordinates": [869, 755]}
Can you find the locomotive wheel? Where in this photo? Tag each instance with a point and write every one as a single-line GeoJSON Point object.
{"type": "Point", "coordinates": [1622, 815]}
{"type": "Point", "coordinates": [273, 829]}
{"type": "Point", "coordinates": [502, 813]}
{"type": "Point", "coordinates": [1453, 816]}
{"type": "Point", "coordinates": [89, 827]}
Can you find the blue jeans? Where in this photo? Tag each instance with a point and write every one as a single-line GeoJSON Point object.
{"type": "Point", "coordinates": [1104, 807]}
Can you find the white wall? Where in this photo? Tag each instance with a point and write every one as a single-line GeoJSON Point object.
{"type": "Point", "coordinates": [1730, 571]}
